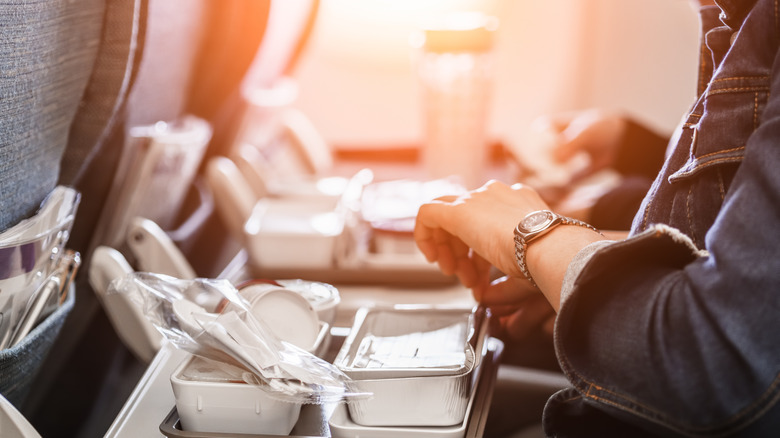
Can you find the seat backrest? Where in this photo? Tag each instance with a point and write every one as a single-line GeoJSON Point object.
{"type": "Point", "coordinates": [46, 58]}
{"type": "Point", "coordinates": [91, 70]}
{"type": "Point", "coordinates": [74, 76]}
{"type": "Point", "coordinates": [47, 55]}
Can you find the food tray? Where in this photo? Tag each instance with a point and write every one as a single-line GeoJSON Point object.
{"type": "Point", "coordinates": [171, 428]}
{"type": "Point", "coordinates": [472, 426]}
{"type": "Point", "coordinates": [420, 363]}
{"type": "Point", "coordinates": [477, 415]}
{"type": "Point", "coordinates": [215, 400]}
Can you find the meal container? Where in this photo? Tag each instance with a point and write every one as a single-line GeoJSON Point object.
{"type": "Point", "coordinates": [211, 399]}
{"type": "Point", "coordinates": [325, 192]}
{"type": "Point", "coordinates": [343, 426]}
{"type": "Point", "coordinates": [216, 400]}
{"type": "Point", "coordinates": [472, 425]}
{"type": "Point", "coordinates": [420, 363]}
{"type": "Point", "coordinates": [394, 236]}
{"type": "Point", "coordinates": [284, 234]}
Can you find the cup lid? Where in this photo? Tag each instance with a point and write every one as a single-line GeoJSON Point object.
{"type": "Point", "coordinates": [459, 32]}
{"type": "Point", "coordinates": [287, 314]}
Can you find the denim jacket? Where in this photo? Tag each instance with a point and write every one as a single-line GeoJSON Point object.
{"type": "Point", "coordinates": [676, 330]}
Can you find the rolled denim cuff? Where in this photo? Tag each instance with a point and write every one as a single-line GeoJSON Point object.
{"type": "Point", "coordinates": [578, 264]}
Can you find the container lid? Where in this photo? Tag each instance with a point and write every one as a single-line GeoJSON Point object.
{"type": "Point", "coordinates": [408, 342]}
{"type": "Point", "coordinates": [459, 32]}
{"type": "Point", "coordinates": [319, 295]}
{"type": "Point", "coordinates": [198, 369]}
{"type": "Point", "coordinates": [285, 218]}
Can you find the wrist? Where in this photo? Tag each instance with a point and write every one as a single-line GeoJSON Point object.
{"type": "Point", "coordinates": [557, 238]}
{"type": "Point", "coordinates": [550, 256]}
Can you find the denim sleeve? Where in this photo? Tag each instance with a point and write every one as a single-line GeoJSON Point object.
{"type": "Point", "coordinates": [578, 264]}
{"type": "Point", "coordinates": [668, 335]}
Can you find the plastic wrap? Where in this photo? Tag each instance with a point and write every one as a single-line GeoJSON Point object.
{"type": "Point", "coordinates": [234, 336]}
{"type": "Point", "coordinates": [29, 253]}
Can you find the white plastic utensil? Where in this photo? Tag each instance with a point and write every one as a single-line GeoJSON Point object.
{"type": "Point", "coordinates": [184, 310]}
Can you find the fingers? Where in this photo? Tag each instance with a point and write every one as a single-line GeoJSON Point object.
{"type": "Point", "coordinates": [504, 310]}
{"type": "Point", "coordinates": [548, 326]}
{"type": "Point", "coordinates": [469, 234]}
{"type": "Point", "coordinates": [449, 229]}
{"type": "Point", "coordinates": [597, 133]}
{"type": "Point", "coordinates": [567, 148]}
{"type": "Point", "coordinates": [449, 250]}
{"type": "Point", "coordinates": [579, 136]}
{"type": "Point", "coordinates": [520, 308]}
{"type": "Point", "coordinates": [548, 132]}
{"type": "Point", "coordinates": [428, 232]}
{"type": "Point", "coordinates": [482, 276]}
{"type": "Point", "coordinates": [452, 255]}
{"type": "Point", "coordinates": [534, 314]}
{"type": "Point", "coordinates": [554, 122]}
{"type": "Point", "coordinates": [507, 291]}
{"type": "Point", "coordinates": [471, 269]}
{"type": "Point", "coordinates": [440, 246]}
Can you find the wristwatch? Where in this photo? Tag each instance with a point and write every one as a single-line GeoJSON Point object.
{"type": "Point", "coordinates": [535, 225]}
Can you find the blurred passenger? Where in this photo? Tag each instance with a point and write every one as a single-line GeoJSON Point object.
{"type": "Point", "coordinates": [612, 141]}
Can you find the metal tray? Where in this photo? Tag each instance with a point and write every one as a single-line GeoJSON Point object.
{"type": "Point", "coordinates": [316, 421]}
{"type": "Point", "coordinates": [440, 349]}
{"type": "Point", "coordinates": [472, 425]}
{"type": "Point", "coordinates": [342, 424]}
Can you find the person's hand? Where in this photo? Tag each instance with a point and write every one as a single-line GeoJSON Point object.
{"type": "Point", "coordinates": [468, 234]}
{"type": "Point", "coordinates": [519, 307]}
{"type": "Point", "coordinates": [595, 132]}
{"type": "Point", "coordinates": [465, 235]}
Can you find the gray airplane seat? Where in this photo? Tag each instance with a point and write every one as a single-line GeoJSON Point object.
{"type": "Point", "coordinates": [46, 56]}
{"type": "Point", "coordinates": [74, 78]}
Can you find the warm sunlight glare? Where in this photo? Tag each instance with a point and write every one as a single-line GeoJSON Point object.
{"type": "Point", "coordinates": [383, 27]}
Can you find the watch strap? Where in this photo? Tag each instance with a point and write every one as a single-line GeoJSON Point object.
{"type": "Point", "coordinates": [521, 245]}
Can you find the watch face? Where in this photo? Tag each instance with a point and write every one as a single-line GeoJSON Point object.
{"type": "Point", "coordinates": [536, 221]}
